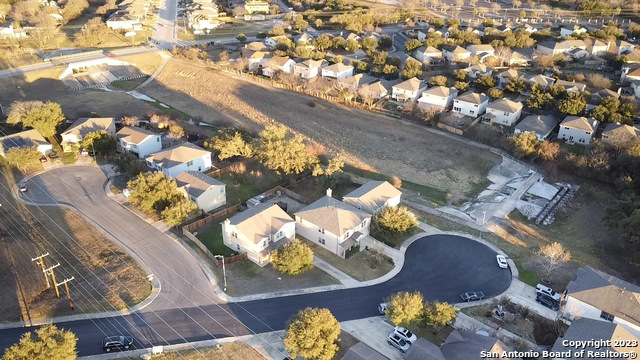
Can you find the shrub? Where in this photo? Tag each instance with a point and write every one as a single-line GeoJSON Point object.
{"type": "Point", "coordinates": [293, 258]}
{"type": "Point", "coordinates": [396, 218]}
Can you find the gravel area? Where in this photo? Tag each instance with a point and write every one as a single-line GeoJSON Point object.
{"type": "Point", "coordinates": [372, 141]}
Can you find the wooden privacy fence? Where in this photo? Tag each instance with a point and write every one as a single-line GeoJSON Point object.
{"type": "Point", "coordinates": [224, 170]}
{"type": "Point", "coordinates": [202, 222]}
{"type": "Point", "coordinates": [196, 241]}
{"type": "Point", "coordinates": [231, 259]}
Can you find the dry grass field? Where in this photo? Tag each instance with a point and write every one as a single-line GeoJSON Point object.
{"type": "Point", "coordinates": [366, 140]}
{"type": "Point", "coordinates": [233, 351]}
{"type": "Point", "coordinates": [105, 277]}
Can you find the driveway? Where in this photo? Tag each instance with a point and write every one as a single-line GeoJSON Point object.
{"type": "Point", "coordinates": [183, 283]}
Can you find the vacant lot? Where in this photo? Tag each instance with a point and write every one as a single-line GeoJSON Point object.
{"type": "Point", "coordinates": [105, 277]}
{"type": "Point", "coordinates": [236, 351]}
{"type": "Point", "coordinates": [364, 139]}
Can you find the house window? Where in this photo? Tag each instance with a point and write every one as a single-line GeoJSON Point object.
{"type": "Point", "coordinates": [566, 128]}
{"type": "Point", "coordinates": [234, 234]}
{"type": "Point", "coordinates": [606, 316]}
{"type": "Point", "coordinates": [221, 190]}
{"type": "Point", "coordinates": [588, 133]}
{"type": "Point", "coordinates": [321, 240]}
{"type": "Point", "coordinates": [364, 223]}
{"type": "Point", "coordinates": [506, 114]}
{"type": "Point", "coordinates": [279, 235]}
{"type": "Point", "coordinates": [471, 112]}
{"type": "Point", "coordinates": [238, 247]}
{"type": "Point", "coordinates": [189, 163]}
{"type": "Point", "coordinates": [475, 105]}
{"type": "Point", "coordinates": [457, 109]}
{"type": "Point", "coordinates": [321, 230]}
{"type": "Point", "coordinates": [158, 139]}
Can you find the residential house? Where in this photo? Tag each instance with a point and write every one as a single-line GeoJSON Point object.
{"type": "Point", "coordinates": [601, 94]}
{"type": "Point", "coordinates": [481, 49]}
{"type": "Point", "coordinates": [258, 231]}
{"type": "Point", "coordinates": [24, 139]}
{"type": "Point", "coordinates": [633, 57]}
{"type": "Point", "coordinates": [540, 125]}
{"type": "Point", "coordinates": [437, 96]}
{"type": "Point", "coordinates": [529, 28]}
{"type": "Point", "coordinates": [618, 134]}
{"type": "Point", "coordinates": [630, 72]}
{"type": "Point", "coordinates": [356, 81]}
{"type": "Point", "coordinates": [272, 41]}
{"type": "Point", "coordinates": [337, 71]}
{"type": "Point", "coordinates": [455, 53]}
{"type": "Point", "coordinates": [408, 90]}
{"type": "Point", "coordinates": [571, 86]}
{"type": "Point", "coordinates": [428, 55]}
{"type": "Point", "coordinates": [624, 47]}
{"type": "Point", "coordinates": [542, 80]}
{"type": "Point", "coordinates": [360, 351]}
{"type": "Point", "coordinates": [577, 53]}
{"type": "Point", "coordinates": [138, 141]}
{"type": "Point", "coordinates": [257, 7]}
{"type": "Point", "coordinates": [598, 48]}
{"type": "Point", "coordinates": [459, 345]}
{"type": "Point", "coordinates": [577, 129]}
{"type": "Point", "coordinates": [588, 331]}
{"type": "Point", "coordinates": [595, 295]}
{"type": "Point", "coordinates": [256, 46]}
{"type": "Point", "coordinates": [471, 104]}
{"type": "Point", "coordinates": [305, 40]}
{"type": "Point", "coordinates": [333, 224]}
{"type": "Point", "coordinates": [521, 57]}
{"type": "Point", "coordinates": [422, 34]}
{"type": "Point", "coordinates": [179, 158]}
{"type": "Point", "coordinates": [373, 196]}
{"type": "Point", "coordinates": [7, 31]}
{"type": "Point", "coordinates": [551, 47]}
{"type": "Point", "coordinates": [123, 21]}
{"type": "Point", "coordinates": [478, 70]}
{"type": "Point", "coordinates": [255, 59]}
{"type": "Point", "coordinates": [353, 36]}
{"type": "Point", "coordinates": [309, 69]}
{"type": "Point", "coordinates": [575, 44]}
{"type": "Point", "coordinates": [278, 64]}
{"type": "Point", "coordinates": [571, 30]}
{"type": "Point", "coordinates": [73, 136]}
{"type": "Point", "coordinates": [206, 192]}
{"type": "Point", "coordinates": [503, 112]}
{"type": "Point", "coordinates": [505, 75]}
{"type": "Point", "coordinates": [375, 91]}
{"type": "Point", "coordinates": [635, 87]}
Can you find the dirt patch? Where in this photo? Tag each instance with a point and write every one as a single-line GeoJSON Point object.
{"type": "Point", "coordinates": [236, 351]}
{"type": "Point", "coordinates": [387, 145]}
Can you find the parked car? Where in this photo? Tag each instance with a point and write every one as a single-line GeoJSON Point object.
{"type": "Point", "coordinates": [405, 334]}
{"type": "Point", "coordinates": [382, 308]}
{"type": "Point", "coordinates": [52, 155]}
{"type": "Point", "coordinates": [542, 289]}
{"type": "Point", "coordinates": [43, 159]}
{"type": "Point", "coordinates": [472, 296]}
{"type": "Point", "coordinates": [117, 343]}
{"type": "Point", "coordinates": [547, 301]}
{"type": "Point", "coordinates": [502, 261]}
{"type": "Point", "coordinates": [397, 342]}
{"type": "Point", "coordinates": [22, 188]}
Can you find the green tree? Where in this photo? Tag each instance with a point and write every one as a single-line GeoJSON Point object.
{"type": "Point", "coordinates": [99, 142]}
{"type": "Point", "coordinates": [385, 43]}
{"type": "Point", "coordinates": [483, 83]}
{"type": "Point", "coordinates": [229, 145]}
{"type": "Point", "coordinates": [46, 343]}
{"type": "Point", "coordinates": [44, 117]}
{"type": "Point", "coordinates": [438, 314]}
{"type": "Point", "coordinates": [412, 68]}
{"type": "Point", "coordinates": [380, 58]}
{"type": "Point", "coordinates": [460, 85]}
{"type": "Point", "coordinates": [523, 144]}
{"type": "Point", "coordinates": [628, 110]}
{"type": "Point", "coordinates": [574, 104]}
{"type": "Point", "coordinates": [23, 157]}
{"type": "Point", "coordinates": [369, 43]}
{"type": "Point", "coordinates": [352, 45]}
{"type": "Point", "coordinates": [495, 93]}
{"type": "Point", "coordinates": [241, 37]}
{"type": "Point", "coordinates": [438, 80]}
{"type": "Point", "coordinates": [411, 45]}
{"type": "Point", "coordinates": [279, 154]}
{"type": "Point", "coordinates": [339, 42]}
{"type": "Point", "coordinates": [178, 212]}
{"type": "Point", "coordinates": [129, 164]}
{"type": "Point", "coordinates": [293, 258]}
{"type": "Point", "coordinates": [538, 98]}
{"type": "Point", "coordinates": [323, 42]}
{"type": "Point", "coordinates": [312, 334]}
{"type": "Point", "coordinates": [516, 85]}
{"type": "Point", "coordinates": [460, 74]}
{"type": "Point", "coordinates": [153, 192]}
{"type": "Point", "coordinates": [623, 215]}
{"type": "Point", "coordinates": [405, 308]}
{"type": "Point", "coordinates": [396, 218]}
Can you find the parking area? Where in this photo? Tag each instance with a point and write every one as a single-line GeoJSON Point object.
{"type": "Point", "coordinates": [373, 331]}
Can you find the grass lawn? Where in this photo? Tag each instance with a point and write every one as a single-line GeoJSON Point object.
{"type": "Point", "coordinates": [313, 188]}
{"type": "Point", "coordinates": [248, 182]}
{"type": "Point", "coordinates": [236, 351]}
{"type": "Point", "coordinates": [393, 238]}
{"type": "Point", "coordinates": [362, 266]}
{"type": "Point", "coordinates": [128, 85]}
{"type": "Point", "coordinates": [247, 278]}
{"type": "Point", "coordinates": [211, 237]}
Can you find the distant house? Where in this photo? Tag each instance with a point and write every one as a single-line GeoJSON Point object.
{"type": "Point", "coordinates": [138, 141]}
{"type": "Point", "coordinates": [471, 104]}
{"type": "Point", "coordinates": [73, 136]}
{"type": "Point", "coordinates": [630, 72]}
{"type": "Point", "coordinates": [588, 331]}
{"type": "Point", "coordinates": [577, 129]}
{"type": "Point", "coordinates": [437, 96]}
{"type": "Point", "coordinates": [570, 30]}
{"type": "Point", "coordinates": [206, 192]}
{"type": "Point", "coordinates": [459, 345]}
{"type": "Point", "coordinates": [575, 44]}
{"type": "Point", "coordinates": [624, 47]}
{"type": "Point", "coordinates": [258, 231]}
{"type": "Point", "coordinates": [577, 53]}
{"type": "Point", "coordinates": [257, 7]}
{"type": "Point", "coordinates": [478, 49]}
{"type": "Point", "coordinates": [353, 36]}
{"type": "Point", "coordinates": [338, 71]}
{"type": "Point", "coordinates": [333, 224]}
{"type": "Point", "coordinates": [24, 139]}
{"type": "Point", "coordinates": [408, 90]}
{"type": "Point", "coordinates": [619, 134]}
{"type": "Point", "coordinates": [356, 81]}
{"type": "Point", "coordinates": [595, 295]}
{"type": "Point", "coordinates": [272, 41]}
{"type": "Point", "coordinates": [373, 196]}
{"type": "Point", "coordinates": [551, 47]}
{"type": "Point", "coordinates": [278, 64]}
{"type": "Point", "coordinates": [255, 59]}
{"type": "Point", "coordinates": [428, 55]}
{"type": "Point", "coordinates": [376, 90]}
{"type": "Point", "coordinates": [478, 70]}
{"type": "Point", "coordinates": [179, 158]}
{"type": "Point", "coordinates": [541, 80]}
{"type": "Point", "coordinates": [598, 48]}
{"type": "Point", "coordinates": [309, 69]}
{"type": "Point", "coordinates": [503, 112]}
{"type": "Point", "coordinates": [122, 21]}
{"type": "Point", "coordinates": [521, 57]}
{"type": "Point", "coordinates": [571, 86]}
{"type": "Point", "coordinates": [505, 75]}
{"type": "Point", "coordinates": [455, 53]}
{"type": "Point", "coordinates": [540, 125]}
{"type": "Point", "coordinates": [305, 40]}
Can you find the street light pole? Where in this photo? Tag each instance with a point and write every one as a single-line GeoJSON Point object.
{"type": "Point", "coordinates": [224, 271]}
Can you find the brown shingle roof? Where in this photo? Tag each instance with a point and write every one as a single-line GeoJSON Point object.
{"type": "Point", "coordinates": [83, 126]}
{"type": "Point", "coordinates": [260, 221]}
{"type": "Point", "coordinates": [134, 135]}
{"type": "Point", "coordinates": [373, 194]}
{"type": "Point", "coordinates": [578, 122]}
{"type": "Point", "coordinates": [412, 84]}
{"type": "Point", "coordinates": [332, 215]}
{"type": "Point", "coordinates": [473, 98]}
{"type": "Point", "coordinates": [176, 155]}
{"type": "Point", "coordinates": [505, 105]}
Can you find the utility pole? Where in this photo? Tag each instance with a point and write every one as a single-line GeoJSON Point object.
{"type": "Point", "coordinates": [53, 277]}
{"type": "Point", "coordinates": [40, 260]}
{"type": "Point", "coordinates": [66, 286]}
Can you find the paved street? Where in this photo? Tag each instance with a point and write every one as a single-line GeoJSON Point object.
{"type": "Point", "coordinates": [164, 34]}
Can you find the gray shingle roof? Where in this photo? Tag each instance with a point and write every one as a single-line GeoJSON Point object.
{"type": "Point", "coordinates": [332, 215]}
{"type": "Point", "coordinates": [361, 351]}
{"type": "Point", "coordinates": [539, 124]}
{"type": "Point", "coordinates": [196, 183]}
{"type": "Point", "coordinates": [583, 329]}
{"type": "Point", "coordinates": [260, 221]}
{"type": "Point", "coordinates": [373, 194]}
{"type": "Point", "coordinates": [424, 349]}
{"type": "Point", "coordinates": [177, 155]}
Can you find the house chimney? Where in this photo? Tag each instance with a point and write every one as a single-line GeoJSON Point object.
{"type": "Point", "coordinates": [329, 192]}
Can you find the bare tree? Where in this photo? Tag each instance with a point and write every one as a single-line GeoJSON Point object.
{"type": "Point", "coordinates": [553, 256]}
{"type": "Point", "coordinates": [496, 7]}
{"type": "Point", "coordinates": [516, 3]}
{"type": "Point", "coordinates": [130, 120]}
{"type": "Point", "coordinates": [368, 95]}
{"type": "Point", "coordinates": [598, 81]}
{"type": "Point", "coordinates": [545, 61]}
{"type": "Point", "coordinates": [504, 54]}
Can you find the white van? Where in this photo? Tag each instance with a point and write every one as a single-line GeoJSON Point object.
{"type": "Point", "coordinates": [542, 289]}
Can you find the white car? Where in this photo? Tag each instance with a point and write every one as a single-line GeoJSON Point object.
{"type": "Point", "coordinates": [405, 334]}
{"type": "Point", "coordinates": [542, 289]}
{"type": "Point", "coordinates": [382, 308]}
{"type": "Point", "coordinates": [397, 342]}
{"type": "Point", "coordinates": [502, 261]}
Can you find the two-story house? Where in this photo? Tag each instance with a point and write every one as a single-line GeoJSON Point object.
{"type": "Point", "coordinates": [540, 125]}
{"type": "Point", "coordinates": [504, 76]}
{"type": "Point", "coordinates": [455, 53]}
{"type": "Point", "coordinates": [138, 141]}
{"type": "Point", "coordinates": [337, 71]}
{"type": "Point", "coordinates": [408, 90]}
{"type": "Point", "coordinates": [599, 338]}
{"type": "Point", "coordinates": [577, 129]}
{"type": "Point", "coordinates": [571, 86]}
{"type": "Point", "coordinates": [503, 112]}
{"type": "Point", "coordinates": [595, 295]}
{"type": "Point", "coordinates": [620, 134]}
{"type": "Point", "coordinates": [73, 136]}
{"type": "Point", "coordinates": [471, 104]}
{"type": "Point", "coordinates": [278, 64]}
{"type": "Point", "coordinates": [258, 231]}
{"type": "Point", "coordinates": [373, 196]}
{"type": "Point", "coordinates": [428, 55]}
{"type": "Point", "coordinates": [333, 224]}
{"type": "Point", "coordinates": [552, 47]}
{"type": "Point", "coordinates": [481, 50]}
{"type": "Point", "coordinates": [206, 192]}
{"type": "Point", "coordinates": [257, 7]}
{"type": "Point", "coordinates": [309, 69]}
{"type": "Point", "coordinates": [374, 91]}
{"type": "Point", "coordinates": [542, 80]}
{"type": "Point", "coordinates": [478, 70]}
{"type": "Point", "coordinates": [179, 158]}
{"type": "Point", "coordinates": [437, 96]}
{"type": "Point", "coordinates": [23, 139]}
{"type": "Point", "coordinates": [572, 29]}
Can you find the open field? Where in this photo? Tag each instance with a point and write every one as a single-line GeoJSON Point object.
{"type": "Point", "coordinates": [367, 140]}
{"type": "Point", "coordinates": [235, 351]}
{"type": "Point", "coordinates": [45, 86]}
{"type": "Point", "coordinates": [106, 278]}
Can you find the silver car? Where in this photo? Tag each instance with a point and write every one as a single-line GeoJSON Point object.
{"type": "Point", "coordinates": [405, 334]}
{"type": "Point", "coordinates": [397, 342]}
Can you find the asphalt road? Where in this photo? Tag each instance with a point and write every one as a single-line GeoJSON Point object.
{"type": "Point", "coordinates": [164, 34]}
